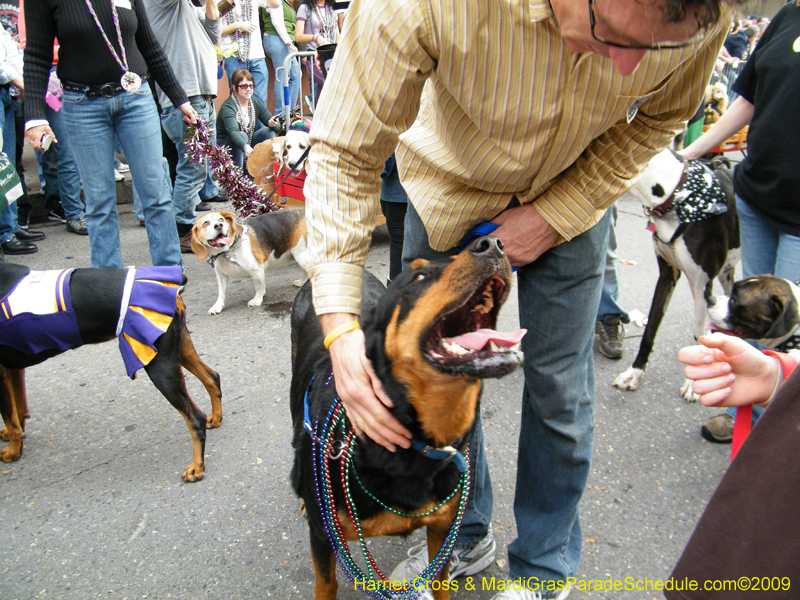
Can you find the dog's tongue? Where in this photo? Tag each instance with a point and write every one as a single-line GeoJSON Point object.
{"type": "Point", "coordinates": [477, 340]}
{"type": "Point", "coordinates": [219, 241]}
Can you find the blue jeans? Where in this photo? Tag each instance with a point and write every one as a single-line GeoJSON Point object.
{"type": "Point", "coordinates": [263, 134]}
{"type": "Point", "coordinates": [190, 176]}
{"type": "Point", "coordinates": [8, 216]}
{"type": "Point", "coordinates": [67, 183]}
{"type": "Point", "coordinates": [277, 52]}
{"type": "Point", "coordinates": [138, 209]}
{"type": "Point", "coordinates": [609, 305]}
{"type": "Point", "coordinates": [558, 298]}
{"type": "Point", "coordinates": [257, 68]}
{"type": "Point", "coordinates": [134, 119]}
{"type": "Point", "coordinates": [766, 250]}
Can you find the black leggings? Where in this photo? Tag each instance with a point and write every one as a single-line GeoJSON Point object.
{"type": "Point", "coordinates": [395, 213]}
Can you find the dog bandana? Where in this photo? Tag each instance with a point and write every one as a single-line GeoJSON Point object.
{"type": "Point", "coordinates": [701, 196]}
{"type": "Point", "coordinates": [37, 315]}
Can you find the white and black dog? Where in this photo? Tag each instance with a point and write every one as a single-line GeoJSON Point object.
{"type": "Point", "coordinates": [763, 308]}
{"type": "Point", "coordinates": [695, 231]}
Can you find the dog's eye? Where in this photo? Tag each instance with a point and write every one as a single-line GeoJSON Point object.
{"type": "Point", "coordinates": [420, 277]}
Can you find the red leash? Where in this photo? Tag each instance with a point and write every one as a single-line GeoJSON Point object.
{"type": "Point", "coordinates": [744, 414]}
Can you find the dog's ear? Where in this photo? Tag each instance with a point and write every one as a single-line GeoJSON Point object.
{"type": "Point", "coordinates": [198, 247]}
{"type": "Point", "coordinates": [231, 219]}
{"type": "Point", "coordinates": [786, 320]}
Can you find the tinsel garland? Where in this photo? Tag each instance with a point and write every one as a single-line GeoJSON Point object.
{"type": "Point", "coordinates": [246, 197]}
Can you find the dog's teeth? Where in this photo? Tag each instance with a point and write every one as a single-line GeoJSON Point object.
{"type": "Point", "coordinates": [454, 348]}
{"type": "Point", "coordinates": [493, 347]}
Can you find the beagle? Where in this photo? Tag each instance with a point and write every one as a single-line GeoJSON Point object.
{"type": "Point", "coordinates": [246, 251]}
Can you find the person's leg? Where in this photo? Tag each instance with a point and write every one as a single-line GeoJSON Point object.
{"type": "Point", "coordinates": [69, 183]}
{"type": "Point", "coordinates": [558, 294]}
{"type": "Point", "coordinates": [395, 213]}
{"type": "Point", "coordinates": [138, 127]}
{"type": "Point", "coordinates": [8, 216]}
{"type": "Point", "coordinates": [93, 151]}
{"type": "Point", "coordinates": [232, 64]}
{"type": "Point", "coordinates": [610, 315]}
{"type": "Point", "coordinates": [258, 69]}
{"type": "Point", "coordinates": [787, 264]}
{"type": "Point", "coordinates": [277, 52]}
{"type": "Point", "coordinates": [759, 241]}
{"type": "Point", "coordinates": [190, 176]}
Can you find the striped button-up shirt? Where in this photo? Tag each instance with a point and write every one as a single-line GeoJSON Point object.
{"type": "Point", "coordinates": [488, 103]}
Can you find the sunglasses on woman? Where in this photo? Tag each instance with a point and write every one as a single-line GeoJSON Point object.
{"type": "Point", "coordinates": [246, 86]}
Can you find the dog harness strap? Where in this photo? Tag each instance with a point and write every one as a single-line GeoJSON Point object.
{"type": "Point", "coordinates": [126, 297]}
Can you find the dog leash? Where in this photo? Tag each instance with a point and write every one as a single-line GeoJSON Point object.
{"type": "Point", "coordinates": [291, 172]}
{"type": "Point", "coordinates": [744, 414]}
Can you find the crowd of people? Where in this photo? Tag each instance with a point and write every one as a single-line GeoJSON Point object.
{"type": "Point", "coordinates": [599, 91]}
{"type": "Point", "coordinates": [133, 77]}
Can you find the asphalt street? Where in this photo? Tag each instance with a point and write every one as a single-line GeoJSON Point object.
{"type": "Point", "coordinates": [96, 507]}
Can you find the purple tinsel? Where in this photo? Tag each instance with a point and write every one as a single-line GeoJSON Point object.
{"type": "Point", "coordinates": [245, 196]}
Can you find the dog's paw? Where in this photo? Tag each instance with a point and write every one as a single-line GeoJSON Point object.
{"type": "Point", "coordinates": [629, 380]}
{"type": "Point", "coordinates": [255, 302]}
{"type": "Point", "coordinates": [216, 309]}
{"type": "Point", "coordinates": [193, 472]}
{"type": "Point", "coordinates": [213, 421]}
{"type": "Point", "coordinates": [688, 393]}
{"type": "Point", "coordinates": [9, 454]}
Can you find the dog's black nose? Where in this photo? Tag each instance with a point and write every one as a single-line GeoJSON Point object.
{"type": "Point", "coordinates": [218, 226]}
{"type": "Point", "coordinates": [711, 300]}
{"type": "Point", "coordinates": [487, 246]}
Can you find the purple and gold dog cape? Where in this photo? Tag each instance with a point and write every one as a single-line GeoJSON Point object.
{"type": "Point", "coordinates": [37, 315]}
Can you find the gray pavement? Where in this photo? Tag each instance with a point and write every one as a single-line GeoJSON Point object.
{"type": "Point", "coordinates": [96, 507]}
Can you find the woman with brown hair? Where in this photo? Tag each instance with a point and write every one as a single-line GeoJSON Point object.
{"type": "Point", "coordinates": [241, 118]}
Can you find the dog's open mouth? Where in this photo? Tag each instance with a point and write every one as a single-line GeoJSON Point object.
{"type": "Point", "coordinates": [740, 333]}
{"type": "Point", "coordinates": [464, 341]}
{"type": "Point", "coordinates": [220, 241]}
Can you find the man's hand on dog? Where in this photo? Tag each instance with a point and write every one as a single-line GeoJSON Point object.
{"type": "Point", "coordinates": [525, 234]}
{"type": "Point", "coordinates": [359, 387]}
{"type": "Point", "coordinates": [727, 371]}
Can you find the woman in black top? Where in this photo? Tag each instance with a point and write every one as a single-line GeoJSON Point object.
{"type": "Point", "coordinates": [107, 55]}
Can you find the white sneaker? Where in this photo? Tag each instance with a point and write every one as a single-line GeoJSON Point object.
{"type": "Point", "coordinates": [123, 168]}
{"type": "Point", "coordinates": [118, 176]}
{"type": "Point", "coordinates": [462, 562]}
{"type": "Point", "coordinates": [524, 593]}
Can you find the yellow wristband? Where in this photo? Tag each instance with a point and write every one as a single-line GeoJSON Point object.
{"type": "Point", "coordinates": [339, 331]}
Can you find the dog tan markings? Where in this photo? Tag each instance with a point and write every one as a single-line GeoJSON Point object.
{"type": "Point", "coordinates": [13, 380]}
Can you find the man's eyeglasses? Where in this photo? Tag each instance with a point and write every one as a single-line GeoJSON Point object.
{"type": "Point", "coordinates": [246, 86]}
{"type": "Point", "coordinates": [633, 46]}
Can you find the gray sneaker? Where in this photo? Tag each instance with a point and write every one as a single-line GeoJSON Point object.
{"type": "Point", "coordinates": [462, 562]}
{"type": "Point", "coordinates": [77, 226]}
{"type": "Point", "coordinates": [611, 333]}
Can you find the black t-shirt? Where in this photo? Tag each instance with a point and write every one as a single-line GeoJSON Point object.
{"type": "Point", "coordinates": [737, 44]}
{"type": "Point", "coordinates": [768, 179]}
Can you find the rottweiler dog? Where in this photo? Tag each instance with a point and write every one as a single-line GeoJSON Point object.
{"type": "Point", "coordinates": [430, 337]}
{"type": "Point", "coordinates": [90, 314]}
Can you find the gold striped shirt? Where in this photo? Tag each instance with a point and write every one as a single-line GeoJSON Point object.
{"type": "Point", "coordinates": [488, 103]}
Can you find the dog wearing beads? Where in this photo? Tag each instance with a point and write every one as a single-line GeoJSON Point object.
{"type": "Point", "coordinates": [431, 339]}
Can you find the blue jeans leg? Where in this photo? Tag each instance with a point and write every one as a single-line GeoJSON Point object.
{"type": "Point", "coordinates": [190, 176]}
{"type": "Point", "coordinates": [609, 300]}
{"type": "Point", "coordinates": [69, 183]}
{"type": "Point", "coordinates": [8, 216]}
{"type": "Point", "coordinates": [277, 52]}
{"type": "Point", "coordinates": [765, 249]}
{"type": "Point", "coordinates": [558, 297]}
{"type": "Point", "coordinates": [257, 68]}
